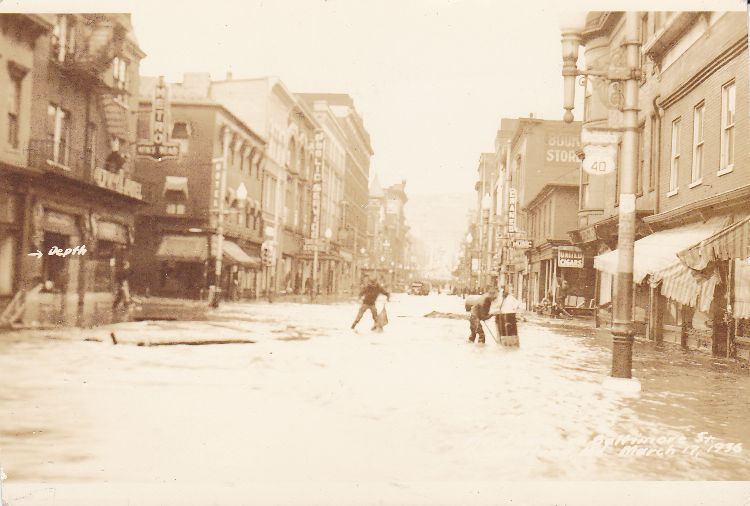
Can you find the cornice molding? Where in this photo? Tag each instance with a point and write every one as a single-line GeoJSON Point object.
{"type": "Point", "coordinates": [704, 73]}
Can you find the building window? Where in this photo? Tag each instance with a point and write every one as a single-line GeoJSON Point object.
{"type": "Point", "coordinates": [63, 38]}
{"type": "Point", "coordinates": [7, 263]}
{"type": "Point", "coordinates": [697, 170]}
{"type": "Point", "coordinates": [584, 202]}
{"type": "Point", "coordinates": [728, 104]}
{"type": "Point", "coordinates": [654, 147]}
{"type": "Point", "coordinates": [58, 134]}
{"type": "Point", "coordinates": [91, 146]}
{"type": "Point", "coordinates": [14, 110]}
{"type": "Point", "coordinates": [54, 268]}
{"type": "Point", "coordinates": [674, 168]}
{"type": "Point", "coordinates": [641, 159]}
{"type": "Point", "coordinates": [644, 38]}
{"type": "Point", "coordinates": [175, 208]}
{"type": "Point", "coordinates": [120, 78]}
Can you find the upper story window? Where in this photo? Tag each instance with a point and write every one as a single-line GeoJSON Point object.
{"type": "Point", "coordinates": [644, 37]}
{"type": "Point", "coordinates": [728, 105]}
{"type": "Point", "coordinates": [63, 37]}
{"type": "Point", "coordinates": [120, 76]}
{"type": "Point", "coordinates": [674, 169]}
{"type": "Point", "coordinates": [639, 173]}
{"type": "Point", "coordinates": [58, 134]}
{"type": "Point", "coordinates": [14, 110]}
{"type": "Point", "coordinates": [653, 169]}
{"type": "Point", "coordinates": [697, 168]}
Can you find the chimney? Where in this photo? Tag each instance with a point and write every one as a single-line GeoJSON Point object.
{"type": "Point", "coordinates": [197, 82]}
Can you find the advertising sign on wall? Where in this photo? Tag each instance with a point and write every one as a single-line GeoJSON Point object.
{"type": "Point", "coordinates": [561, 147]}
{"type": "Point", "coordinates": [572, 259]}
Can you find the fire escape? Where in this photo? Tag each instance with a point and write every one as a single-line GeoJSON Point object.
{"type": "Point", "coordinates": [99, 39]}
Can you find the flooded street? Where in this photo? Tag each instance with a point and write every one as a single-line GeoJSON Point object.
{"type": "Point", "coordinates": [313, 402]}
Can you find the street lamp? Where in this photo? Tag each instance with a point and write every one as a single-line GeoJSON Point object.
{"type": "Point", "coordinates": [627, 79]}
{"type": "Point", "coordinates": [484, 232]}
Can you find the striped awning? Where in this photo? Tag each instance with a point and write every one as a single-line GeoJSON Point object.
{"type": "Point", "coordinates": [658, 251]}
{"type": "Point", "coordinates": [732, 242]}
{"type": "Point", "coordinates": [686, 286]}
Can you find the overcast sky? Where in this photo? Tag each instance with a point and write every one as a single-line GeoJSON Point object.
{"type": "Point", "coordinates": [431, 78]}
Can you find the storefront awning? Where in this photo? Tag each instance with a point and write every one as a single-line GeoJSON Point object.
{"type": "Point", "coordinates": [176, 184]}
{"type": "Point", "coordinates": [732, 242]}
{"type": "Point", "coordinates": [183, 248]}
{"type": "Point", "coordinates": [658, 251]}
{"type": "Point", "coordinates": [234, 254]}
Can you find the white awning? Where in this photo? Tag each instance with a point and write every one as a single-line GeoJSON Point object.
{"type": "Point", "coordinates": [176, 184]}
{"type": "Point", "coordinates": [658, 251]}
{"type": "Point", "coordinates": [234, 254]}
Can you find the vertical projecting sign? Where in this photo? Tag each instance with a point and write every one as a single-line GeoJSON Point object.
{"type": "Point", "coordinates": [159, 147]}
{"type": "Point", "coordinates": [512, 210]}
{"type": "Point", "coordinates": [317, 185]}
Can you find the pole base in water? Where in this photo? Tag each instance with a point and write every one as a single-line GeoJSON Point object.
{"type": "Point", "coordinates": [624, 385]}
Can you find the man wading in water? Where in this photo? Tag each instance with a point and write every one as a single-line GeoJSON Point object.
{"type": "Point", "coordinates": [370, 294]}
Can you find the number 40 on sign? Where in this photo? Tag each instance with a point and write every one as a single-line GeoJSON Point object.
{"type": "Point", "coordinates": [599, 159]}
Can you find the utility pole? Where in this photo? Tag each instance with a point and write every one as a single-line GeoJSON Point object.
{"type": "Point", "coordinates": [622, 318]}
{"type": "Point", "coordinates": [627, 79]}
{"type": "Point", "coordinates": [220, 181]}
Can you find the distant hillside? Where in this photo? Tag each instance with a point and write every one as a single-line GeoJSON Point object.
{"type": "Point", "coordinates": [439, 222]}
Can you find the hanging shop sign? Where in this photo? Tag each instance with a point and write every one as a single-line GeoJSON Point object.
{"type": "Point", "coordinates": [159, 147]}
{"type": "Point", "coordinates": [521, 243]}
{"type": "Point", "coordinates": [588, 234]}
{"type": "Point", "coordinates": [512, 201]}
{"type": "Point", "coordinates": [572, 259]}
{"type": "Point", "coordinates": [317, 185]}
{"type": "Point", "coordinates": [118, 182]}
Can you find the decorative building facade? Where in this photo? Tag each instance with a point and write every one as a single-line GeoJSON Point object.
{"type": "Point", "coordinates": [692, 180]}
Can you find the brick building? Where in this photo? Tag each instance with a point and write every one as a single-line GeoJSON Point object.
{"type": "Point", "coordinates": [75, 187]}
{"type": "Point", "coordinates": [692, 177]}
{"type": "Point", "coordinates": [534, 156]}
{"type": "Point", "coordinates": [176, 234]}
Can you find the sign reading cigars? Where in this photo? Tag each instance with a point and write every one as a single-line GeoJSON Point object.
{"type": "Point", "coordinates": [570, 259]}
{"type": "Point", "coordinates": [159, 147]}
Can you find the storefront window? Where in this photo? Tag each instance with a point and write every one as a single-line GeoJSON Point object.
{"type": "Point", "coordinates": [7, 250]}
{"type": "Point", "coordinates": [104, 261]}
{"type": "Point", "coordinates": [54, 268]}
